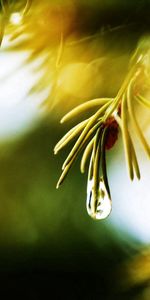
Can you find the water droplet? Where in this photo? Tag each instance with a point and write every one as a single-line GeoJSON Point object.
{"type": "Point", "coordinates": [98, 207]}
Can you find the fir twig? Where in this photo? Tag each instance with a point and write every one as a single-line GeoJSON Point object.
{"type": "Point", "coordinates": [95, 133]}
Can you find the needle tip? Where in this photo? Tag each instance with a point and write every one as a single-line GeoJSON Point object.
{"type": "Point", "coordinates": [57, 186]}
{"type": "Point", "coordinates": [82, 171]}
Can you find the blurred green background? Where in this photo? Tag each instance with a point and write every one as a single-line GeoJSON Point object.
{"type": "Point", "coordinates": [44, 230]}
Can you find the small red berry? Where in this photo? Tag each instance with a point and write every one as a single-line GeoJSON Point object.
{"type": "Point", "coordinates": [112, 133]}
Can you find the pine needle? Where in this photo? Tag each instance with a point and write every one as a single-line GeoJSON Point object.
{"type": "Point", "coordinates": [83, 141]}
{"type": "Point", "coordinates": [85, 106]}
{"type": "Point", "coordinates": [96, 164]}
{"type": "Point", "coordinates": [27, 6]}
{"type": "Point", "coordinates": [70, 135]}
{"type": "Point", "coordinates": [134, 159]}
{"type": "Point", "coordinates": [103, 158]}
{"type": "Point", "coordinates": [66, 166]}
{"type": "Point", "coordinates": [89, 125]}
{"type": "Point", "coordinates": [86, 154]}
{"type": "Point", "coordinates": [143, 100]}
{"type": "Point", "coordinates": [134, 121]}
{"type": "Point", "coordinates": [63, 175]}
{"type": "Point", "coordinates": [126, 138]}
{"type": "Point", "coordinates": [133, 154]}
{"type": "Point", "coordinates": [90, 170]}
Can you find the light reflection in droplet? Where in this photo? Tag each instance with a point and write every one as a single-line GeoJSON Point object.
{"type": "Point", "coordinates": [98, 207]}
{"type": "Point", "coordinates": [16, 18]}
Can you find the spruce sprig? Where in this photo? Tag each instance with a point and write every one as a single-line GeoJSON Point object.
{"type": "Point", "coordinates": [101, 129]}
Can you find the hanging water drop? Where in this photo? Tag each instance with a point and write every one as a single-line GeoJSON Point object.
{"type": "Point", "coordinates": [98, 207]}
